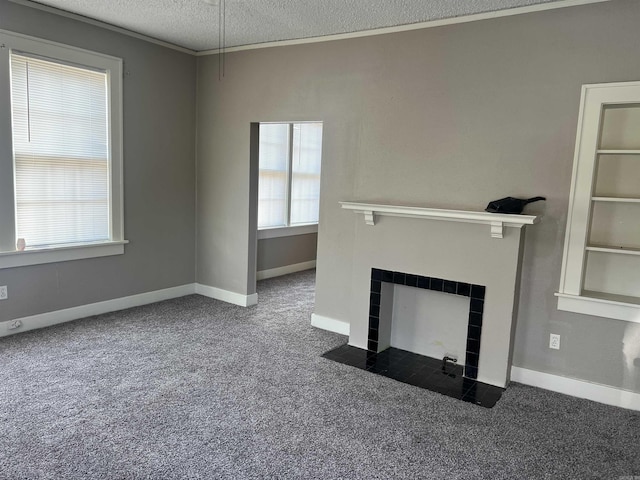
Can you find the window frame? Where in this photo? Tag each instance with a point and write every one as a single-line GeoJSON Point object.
{"type": "Point", "coordinates": [288, 229]}
{"type": "Point", "coordinates": [9, 256]}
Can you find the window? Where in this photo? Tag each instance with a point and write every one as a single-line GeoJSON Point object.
{"type": "Point", "coordinates": [289, 182]}
{"type": "Point", "coordinates": [65, 163]}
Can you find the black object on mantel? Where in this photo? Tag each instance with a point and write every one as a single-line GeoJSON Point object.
{"type": "Point", "coordinates": [510, 204]}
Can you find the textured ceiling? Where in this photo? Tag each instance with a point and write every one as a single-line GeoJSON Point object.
{"type": "Point", "coordinates": [193, 24]}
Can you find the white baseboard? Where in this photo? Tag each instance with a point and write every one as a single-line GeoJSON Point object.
{"type": "Point", "coordinates": [48, 319]}
{"type": "Point", "coordinates": [331, 324]}
{"type": "Point", "coordinates": [577, 388]}
{"type": "Point", "coordinates": [68, 314]}
{"type": "Point", "coordinates": [277, 272]}
{"type": "Point", "coordinates": [227, 296]}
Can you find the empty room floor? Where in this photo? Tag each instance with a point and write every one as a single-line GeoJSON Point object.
{"type": "Point", "coordinates": [196, 388]}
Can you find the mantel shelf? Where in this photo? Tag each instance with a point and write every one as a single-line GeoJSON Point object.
{"type": "Point", "coordinates": [496, 221]}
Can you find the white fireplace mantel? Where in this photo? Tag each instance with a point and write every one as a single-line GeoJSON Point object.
{"type": "Point", "coordinates": [496, 221]}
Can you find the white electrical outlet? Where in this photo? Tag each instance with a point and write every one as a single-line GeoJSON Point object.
{"type": "Point", "coordinates": [15, 324]}
{"type": "Point", "coordinates": [4, 293]}
{"type": "Point", "coordinates": [554, 341]}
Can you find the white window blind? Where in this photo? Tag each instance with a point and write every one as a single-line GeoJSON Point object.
{"type": "Point", "coordinates": [305, 173]}
{"type": "Point", "coordinates": [289, 181]}
{"type": "Point", "coordinates": [61, 154]}
{"type": "Point", "coordinates": [274, 166]}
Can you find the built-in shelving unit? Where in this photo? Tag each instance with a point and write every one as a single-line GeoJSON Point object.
{"type": "Point", "coordinates": [601, 264]}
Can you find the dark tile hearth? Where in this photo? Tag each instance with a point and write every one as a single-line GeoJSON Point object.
{"type": "Point", "coordinates": [420, 371]}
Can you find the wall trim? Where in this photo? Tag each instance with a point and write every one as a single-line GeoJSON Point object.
{"type": "Point", "coordinates": [577, 388]}
{"type": "Point", "coordinates": [105, 25]}
{"type": "Point", "coordinates": [326, 38]}
{"type": "Point", "coordinates": [226, 295]}
{"type": "Point", "coordinates": [56, 317]}
{"type": "Point", "coordinates": [404, 28]}
{"type": "Point", "coordinates": [330, 324]}
{"type": "Point", "coordinates": [279, 271]}
{"type": "Point", "coordinates": [74, 313]}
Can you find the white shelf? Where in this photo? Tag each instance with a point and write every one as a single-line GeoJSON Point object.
{"type": "Point", "coordinates": [618, 152]}
{"type": "Point", "coordinates": [616, 199]}
{"type": "Point", "coordinates": [611, 297]}
{"type": "Point", "coordinates": [601, 305]}
{"type": "Point", "coordinates": [620, 250]}
{"type": "Point", "coordinates": [496, 221]}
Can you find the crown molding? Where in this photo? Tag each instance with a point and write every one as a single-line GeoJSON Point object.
{"type": "Point", "coordinates": [106, 26]}
{"type": "Point", "coordinates": [404, 28]}
{"type": "Point", "coordinates": [326, 38]}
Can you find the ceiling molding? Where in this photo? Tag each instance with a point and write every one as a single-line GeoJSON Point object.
{"type": "Point", "coordinates": [106, 26]}
{"type": "Point", "coordinates": [326, 38]}
{"type": "Point", "coordinates": [404, 28]}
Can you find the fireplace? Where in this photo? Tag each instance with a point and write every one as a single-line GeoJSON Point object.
{"type": "Point", "coordinates": [380, 307]}
{"type": "Point", "coordinates": [476, 255]}
{"type": "Point", "coordinates": [446, 251]}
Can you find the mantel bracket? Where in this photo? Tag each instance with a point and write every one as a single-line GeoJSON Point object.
{"type": "Point", "coordinates": [369, 217]}
{"type": "Point", "coordinates": [497, 230]}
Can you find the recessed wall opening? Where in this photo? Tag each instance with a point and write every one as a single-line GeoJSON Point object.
{"type": "Point", "coordinates": [286, 160]}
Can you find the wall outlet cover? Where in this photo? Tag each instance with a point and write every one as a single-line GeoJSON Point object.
{"type": "Point", "coordinates": [554, 341]}
{"type": "Point", "coordinates": [4, 294]}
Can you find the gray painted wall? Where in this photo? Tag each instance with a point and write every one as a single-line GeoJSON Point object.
{"type": "Point", "coordinates": [283, 251]}
{"type": "Point", "coordinates": [450, 117]}
{"type": "Point", "coordinates": [159, 175]}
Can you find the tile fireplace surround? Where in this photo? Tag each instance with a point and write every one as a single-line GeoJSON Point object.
{"type": "Point", "coordinates": [472, 254]}
{"type": "Point", "coordinates": [379, 336]}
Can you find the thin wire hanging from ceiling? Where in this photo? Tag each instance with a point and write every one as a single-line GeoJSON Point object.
{"type": "Point", "coordinates": [222, 32]}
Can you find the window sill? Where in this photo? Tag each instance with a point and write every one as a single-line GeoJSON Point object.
{"type": "Point", "coordinates": [287, 231]}
{"type": "Point", "coordinates": [61, 254]}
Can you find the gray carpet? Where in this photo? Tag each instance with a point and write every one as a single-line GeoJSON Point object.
{"type": "Point", "coordinates": [195, 388]}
